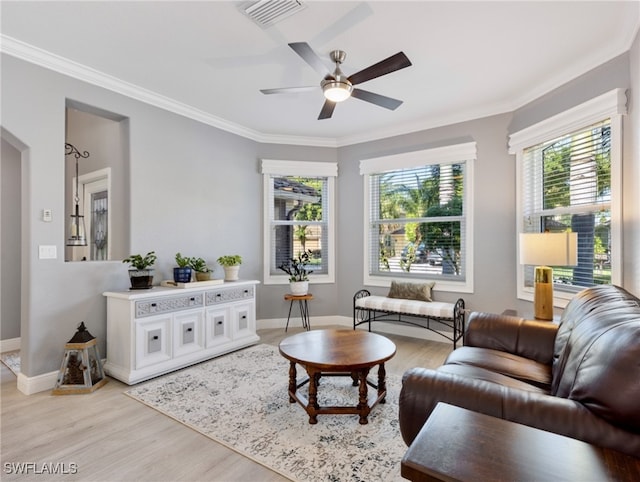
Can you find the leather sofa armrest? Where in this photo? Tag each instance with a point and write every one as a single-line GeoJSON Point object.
{"type": "Point", "coordinates": [527, 338]}
{"type": "Point", "coordinates": [423, 388]}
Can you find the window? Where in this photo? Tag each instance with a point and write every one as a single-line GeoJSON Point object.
{"type": "Point", "coordinates": [418, 217]}
{"type": "Point", "coordinates": [298, 216]}
{"type": "Point", "coordinates": [569, 180]}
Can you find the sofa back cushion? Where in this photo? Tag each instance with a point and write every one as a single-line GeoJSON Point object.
{"type": "Point", "coordinates": [597, 354]}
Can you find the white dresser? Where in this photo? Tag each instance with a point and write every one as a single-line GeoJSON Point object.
{"type": "Point", "coordinates": [151, 332]}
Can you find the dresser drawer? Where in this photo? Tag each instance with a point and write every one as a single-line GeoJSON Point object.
{"type": "Point", "coordinates": [229, 294]}
{"type": "Point", "coordinates": [167, 305]}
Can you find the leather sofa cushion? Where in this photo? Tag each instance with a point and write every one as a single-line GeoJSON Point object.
{"type": "Point", "coordinates": [486, 375]}
{"type": "Point", "coordinates": [507, 364]}
{"type": "Point", "coordinates": [597, 355]}
{"type": "Point", "coordinates": [528, 338]}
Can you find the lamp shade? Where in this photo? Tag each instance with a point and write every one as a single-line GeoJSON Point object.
{"type": "Point", "coordinates": [550, 249]}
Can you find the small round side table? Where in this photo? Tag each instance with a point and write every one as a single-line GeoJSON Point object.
{"type": "Point", "coordinates": [304, 308]}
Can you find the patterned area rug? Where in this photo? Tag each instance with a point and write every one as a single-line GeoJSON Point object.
{"type": "Point", "coordinates": [12, 360]}
{"type": "Point", "coordinates": [240, 400]}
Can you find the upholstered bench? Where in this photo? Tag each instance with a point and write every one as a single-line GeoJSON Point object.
{"type": "Point", "coordinates": [445, 319]}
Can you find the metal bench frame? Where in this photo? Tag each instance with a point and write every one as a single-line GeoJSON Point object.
{"type": "Point", "coordinates": [455, 324]}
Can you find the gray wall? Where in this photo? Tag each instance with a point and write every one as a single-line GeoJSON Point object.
{"type": "Point", "coordinates": [10, 204]}
{"type": "Point", "coordinates": [270, 298]}
{"type": "Point", "coordinates": [197, 189]}
{"type": "Point", "coordinates": [631, 182]}
{"type": "Point", "coordinates": [493, 205]}
{"type": "Point", "coordinates": [621, 72]}
{"type": "Point", "coordinates": [194, 189]}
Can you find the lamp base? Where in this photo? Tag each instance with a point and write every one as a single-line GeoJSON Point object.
{"type": "Point", "coordinates": [543, 294]}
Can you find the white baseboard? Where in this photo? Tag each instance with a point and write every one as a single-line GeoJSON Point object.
{"type": "Point", "coordinates": [297, 322]}
{"type": "Point", "coordinates": [376, 326]}
{"type": "Point", "coordinates": [39, 383]}
{"type": "Point", "coordinates": [9, 344]}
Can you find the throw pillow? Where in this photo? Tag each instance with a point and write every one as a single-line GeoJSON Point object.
{"type": "Point", "coordinates": [411, 291]}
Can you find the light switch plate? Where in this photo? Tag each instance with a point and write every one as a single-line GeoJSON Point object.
{"type": "Point", "coordinates": [47, 252]}
{"type": "Point", "coordinates": [47, 215]}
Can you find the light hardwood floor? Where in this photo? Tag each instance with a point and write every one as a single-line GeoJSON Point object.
{"type": "Point", "coordinates": [111, 437]}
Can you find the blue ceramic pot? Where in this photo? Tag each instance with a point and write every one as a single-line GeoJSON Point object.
{"type": "Point", "coordinates": [182, 275]}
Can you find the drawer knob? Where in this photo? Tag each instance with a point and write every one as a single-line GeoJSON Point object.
{"type": "Point", "coordinates": [244, 317]}
{"type": "Point", "coordinates": [154, 304]}
{"type": "Point", "coordinates": [192, 299]}
{"type": "Point", "coordinates": [155, 337]}
{"type": "Point", "coordinates": [220, 323]}
{"type": "Point", "coordinates": [189, 329]}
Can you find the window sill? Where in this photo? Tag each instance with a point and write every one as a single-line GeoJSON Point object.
{"type": "Point", "coordinates": [449, 286]}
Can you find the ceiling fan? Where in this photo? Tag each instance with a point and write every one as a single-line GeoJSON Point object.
{"type": "Point", "coordinates": [337, 87]}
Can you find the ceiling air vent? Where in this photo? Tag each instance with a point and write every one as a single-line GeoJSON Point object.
{"type": "Point", "coordinates": [267, 12]}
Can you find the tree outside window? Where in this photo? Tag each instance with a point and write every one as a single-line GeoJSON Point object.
{"type": "Point", "coordinates": [575, 195]}
{"type": "Point", "coordinates": [417, 218]}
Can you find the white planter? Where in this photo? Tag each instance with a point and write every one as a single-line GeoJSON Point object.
{"type": "Point", "coordinates": [299, 288]}
{"type": "Point", "coordinates": [231, 272]}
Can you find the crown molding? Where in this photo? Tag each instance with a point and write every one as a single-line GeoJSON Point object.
{"type": "Point", "coordinates": [62, 65]}
{"type": "Point", "coordinates": [43, 58]}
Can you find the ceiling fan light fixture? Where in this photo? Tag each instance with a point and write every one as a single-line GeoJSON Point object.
{"type": "Point", "coordinates": [336, 91]}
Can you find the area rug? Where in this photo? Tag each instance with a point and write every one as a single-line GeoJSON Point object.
{"type": "Point", "coordinates": [12, 360]}
{"type": "Point", "coordinates": [240, 400]}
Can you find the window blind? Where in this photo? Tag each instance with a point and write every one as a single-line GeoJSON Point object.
{"type": "Point", "coordinates": [566, 185]}
{"type": "Point", "coordinates": [417, 222]}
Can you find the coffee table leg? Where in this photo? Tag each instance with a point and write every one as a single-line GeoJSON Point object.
{"type": "Point", "coordinates": [382, 384]}
{"type": "Point", "coordinates": [314, 377]}
{"type": "Point", "coordinates": [363, 402]}
{"type": "Point", "coordinates": [292, 382]}
{"type": "Point", "coordinates": [354, 377]}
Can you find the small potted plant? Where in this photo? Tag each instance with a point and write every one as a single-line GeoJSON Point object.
{"type": "Point", "coordinates": [199, 265]}
{"type": "Point", "coordinates": [182, 274]}
{"type": "Point", "coordinates": [140, 273]}
{"type": "Point", "coordinates": [231, 265]}
{"type": "Point", "coordinates": [298, 272]}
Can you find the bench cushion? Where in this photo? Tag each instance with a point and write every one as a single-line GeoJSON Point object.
{"type": "Point", "coordinates": [409, 307]}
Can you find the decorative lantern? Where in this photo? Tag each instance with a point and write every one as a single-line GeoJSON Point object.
{"type": "Point", "coordinates": [81, 369]}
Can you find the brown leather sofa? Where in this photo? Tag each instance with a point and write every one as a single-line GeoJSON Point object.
{"type": "Point", "coordinates": [579, 378]}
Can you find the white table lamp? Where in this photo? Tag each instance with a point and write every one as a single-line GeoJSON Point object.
{"type": "Point", "coordinates": [544, 250]}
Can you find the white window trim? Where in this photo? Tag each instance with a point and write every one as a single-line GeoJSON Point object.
{"type": "Point", "coordinates": [455, 153]}
{"type": "Point", "coordinates": [270, 167]}
{"type": "Point", "coordinates": [611, 105]}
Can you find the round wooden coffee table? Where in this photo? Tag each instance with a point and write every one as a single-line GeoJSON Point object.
{"type": "Point", "coordinates": [337, 353]}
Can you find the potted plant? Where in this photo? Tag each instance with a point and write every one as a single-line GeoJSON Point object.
{"type": "Point", "coordinates": [182, 274]}
{"type": "Point", "coordinates": [298, 272]}
{"type": "Point", "coordinates": [231, 265]}
{"type": "Point", "coordinates": [199, 265]}
{"type": "Point", "coordinates": [140, 273]}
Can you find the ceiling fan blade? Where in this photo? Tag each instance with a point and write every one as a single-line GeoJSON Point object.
{"type": "Point", "coordinates": [386, 66]}
{"type": "Point", "coordinates": [377, 99]}
{"type": "Point", "coordinates": [289, 90]}
{"type": "Point", "coordinates": [309, 56]}
{"type": "Point", "coordinates": [327, 110]}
